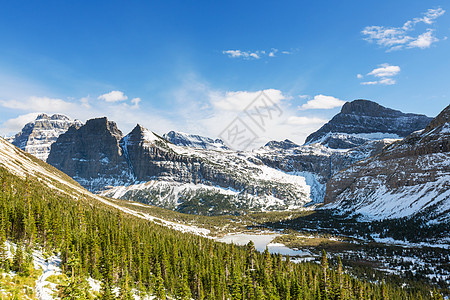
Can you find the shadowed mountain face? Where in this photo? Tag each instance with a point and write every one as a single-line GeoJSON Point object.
{"type": "Point", "coordinates": [91, 152]}
{"type": "Point", "coordinates": [408, 177]}
{"type": "Point", "coordinates": [363, 120]}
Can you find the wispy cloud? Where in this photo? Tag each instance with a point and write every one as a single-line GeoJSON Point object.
{"type": "Point", "coordinates": [38, 104]}
{"type": "Point", "coordinates": [237, 101]}
{"type": "Point", "coordinates": [322, 102]}
{"type": "Point", "coordinates": [383, 74]}
{"type": "Point", "coordinates": [125, 113]}
{"type": "Point", "coordinates": [397, 38]}
{"type": "Point", "coordinates": [257, 54]}
{"type": "Point", "coordinates": [385, 70]}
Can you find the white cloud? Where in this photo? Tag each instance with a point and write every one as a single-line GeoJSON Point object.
{"type": "Point", "coordinates": [424, 40]}
{"type": "Point", "coordinates": [359, 76]}
{"type": "Point", "coordinates": [38, 104]}
{"type": "Point", "coordinates": [383, 74]}
{"type": "Point", "coordinates": [15, 125]}
{"type": "Point", "coordinates": [369, 82]}
{"type": "Point", "coordinates": [298, 120]}
{"type": "Point", "coordinates": [253, 54]}
{"type": "Point", "coordinates": [397, 38]}
{"type": "Point", "coordinates": [85, 102]}
{"type": "Point", "coordinates": [387, 81]}
{"type": "Point", "coordinates": [238, 101]}
{"type": "Point", "coordinates": [135, 102]}
{"type": "Point", "coordinates": [322, 102]}
{"type": "Point", "coordinates": [385, 70]}
{"type": "Point", "coordinates": [113, 96]}
{"type": "Point", "coordinates": [197, 108]}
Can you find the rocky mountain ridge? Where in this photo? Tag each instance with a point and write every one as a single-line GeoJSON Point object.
{"type": "Point", "coordinates": [408, 177]}
{"type": "Point", "coordinates": [171, 172]}
{"type": "Point", "coordinates": [363, 120]}
{"type": "Point", "coordinates": [37, 136]}
{"type": "Point", "coordinates": [196, 174]}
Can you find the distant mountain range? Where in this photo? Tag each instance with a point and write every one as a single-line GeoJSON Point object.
{"type": "Point", "coordinates": [196, 174]}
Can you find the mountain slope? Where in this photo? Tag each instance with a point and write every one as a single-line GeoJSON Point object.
{"type": "Point", "coordinates": [195, 174]}
{"type": "Point", "coordinates": [37, 137]}
{"type": "Point", "coordinates": [363, 120]}
{"type": "Point", "coordinates": [194, 141]}
{"type": "Point", "coordinates": [95, 240]}
{"type": "Point", "coordinates": [409, 177]}
{"type": "Point", "coordinates": [145, 167]}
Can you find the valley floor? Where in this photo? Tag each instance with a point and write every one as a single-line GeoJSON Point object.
{"type": "Point", "coordinates": [303, 234]}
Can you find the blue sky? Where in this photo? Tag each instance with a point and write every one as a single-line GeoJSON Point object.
{"type": "Point", "coordinates": [193, 66]}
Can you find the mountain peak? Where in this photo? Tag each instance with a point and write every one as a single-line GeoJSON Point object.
{"type": "Point", "coordinates": [286, 144]}
{"type": "Point", "coordinates": [36, 137]}
{"type": "Point", "coordinates": [363, 120]}
{"type": "Point", "coordinates": [44, 116]}
{"type": "Point", "coordinates": [441, 119]}
{"type": "Point", "coordinates": [367, 108]}
{"type": "Point", "coordinates": [138, 129]}
{"type": "Point", "coordinates": [102, 124]}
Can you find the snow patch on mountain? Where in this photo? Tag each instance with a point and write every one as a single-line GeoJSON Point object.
{"type": "Point", "coordinates": [194, 141]}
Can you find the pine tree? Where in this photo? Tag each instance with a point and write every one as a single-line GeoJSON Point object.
{"type": "Point", "coordinates": [251, 255]}
{"type": "Point", "coordinates": [125, 290]}
{"type": "Point", "coordinates": [3, 251]}
{"type": "Point", "coordinates": [339, 292]}
{"type": "Point", "coordinates": [18, 259]}
{"type": "Point", "coordinates": [384, 292]}
{"type": "Point", "coordinates": [236, 293]}
{"type": "Point", "coordinates": [324, 278]}
{"type": "Point", "coordinates": [160, 292]}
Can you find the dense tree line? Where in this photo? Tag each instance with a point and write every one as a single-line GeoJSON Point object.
{"type": "Point", "coordinates": [416, 228]}
{"type": "Point", "coordinates": [124, 251]}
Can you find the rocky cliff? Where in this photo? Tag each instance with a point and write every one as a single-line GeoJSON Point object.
{"type": "Point", "coordinates": [363, 120]}
{"type": "Point", "coordinates": [37, 136]}
{"type": "Point", "coordinates": [91, 155]}
{"type": "Point", "coordinates": [145, 167]}
{"type": "Point", "coordinates": [197, 174]}
{"type": "Point", "coordinates": [408, 177]}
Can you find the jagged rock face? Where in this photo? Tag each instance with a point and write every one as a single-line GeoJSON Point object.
{"type": "Point", "coordinates": [363, 120]}
{"type": "Point", "coordinates": [37, 137]}
{"type": "Point", "coordinates": [97, 156]}
{"type": "Point", "coordinates": [318, 159]}
{"type": "Point", "coordinates": [286, 144]}
{"type": "Point", "coordinates": [91, 154]}
{"type": "Point", "coordinates": [150, 157]}
{"type": "Point", "coordinates": [194, 141]}
{"type": "Point", "coordinates": [408, 177]}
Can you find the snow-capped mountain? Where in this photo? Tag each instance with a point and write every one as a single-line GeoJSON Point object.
{"type": "Point", "coordinates": [198, 174]}
{"type": "Point", "coordinates": [145, 167]}
{"type": "Point", "coordinates": [37, 136]}
{"type": "Point", "coordinates": [194, 141]}
{"type": "Point", "coordinates": [409, 177]}
{"type": "Point", "coordinates": [362, 120]}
